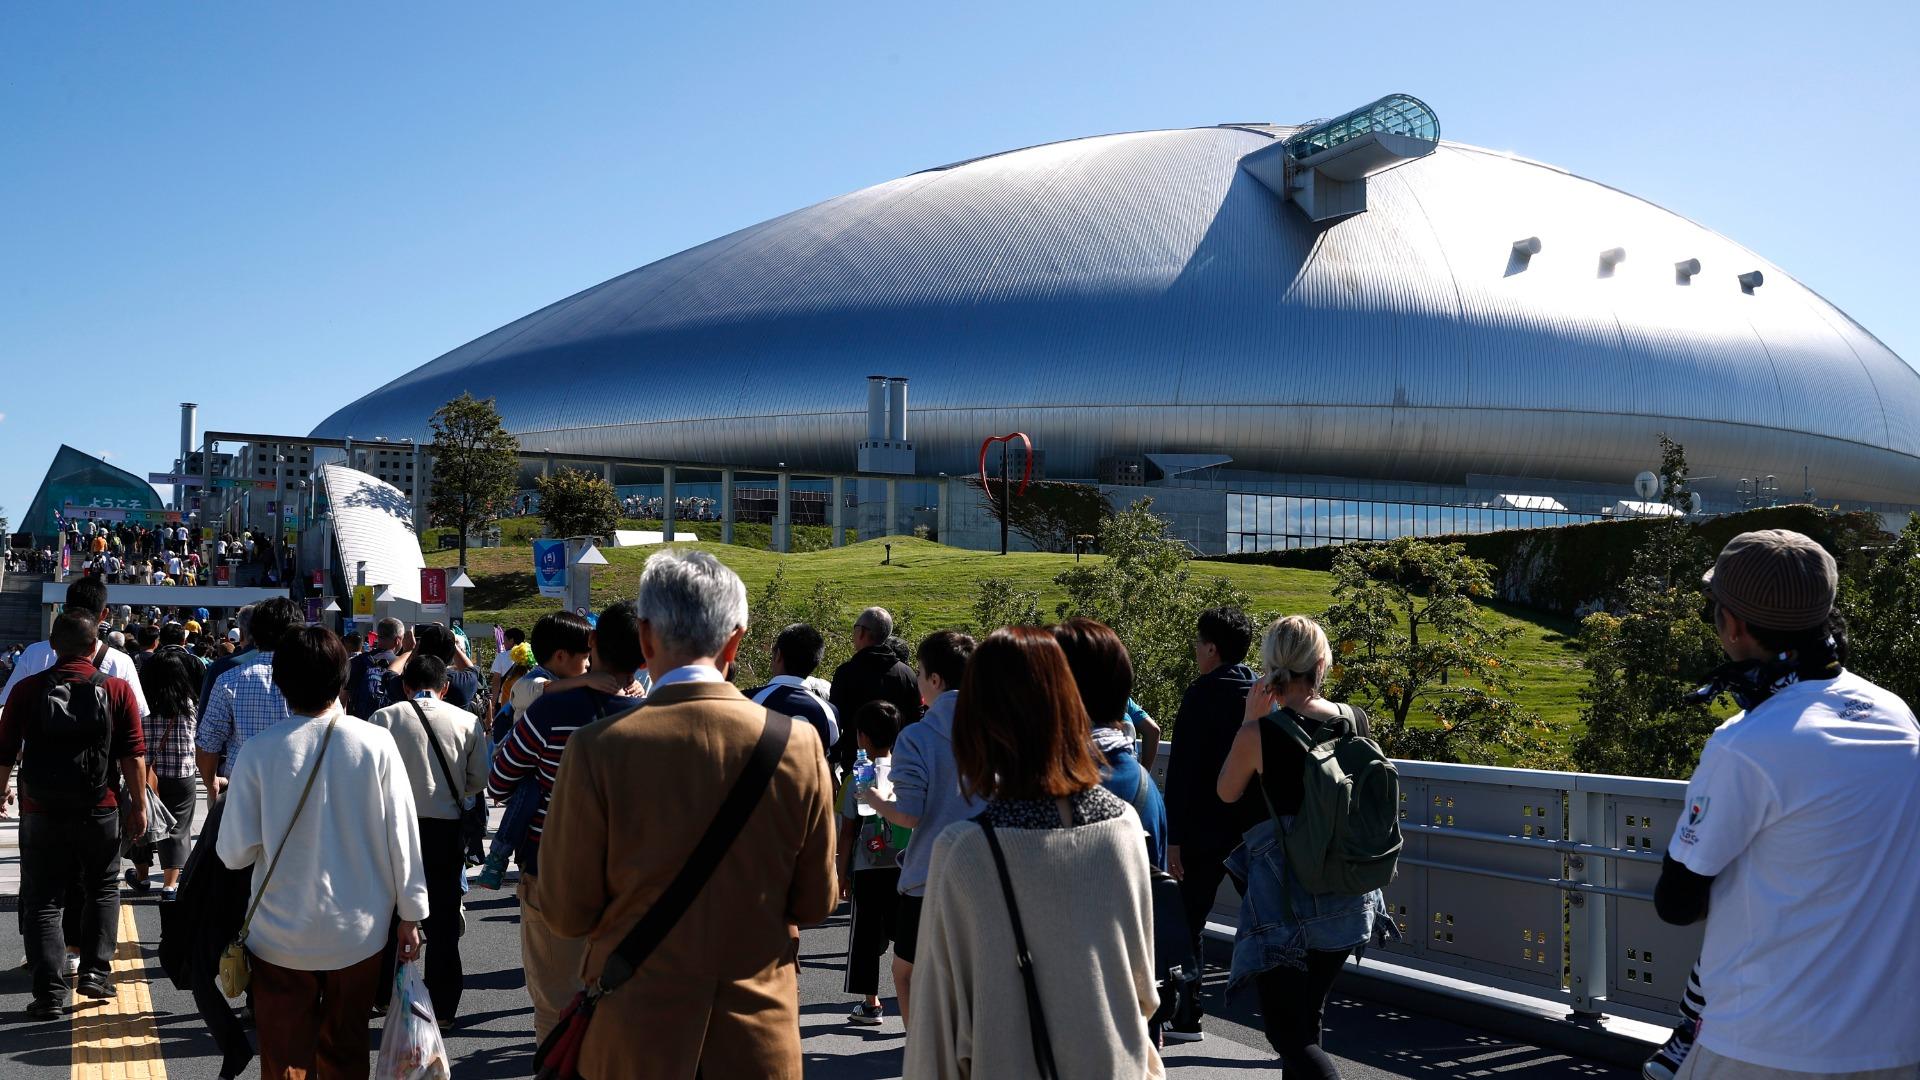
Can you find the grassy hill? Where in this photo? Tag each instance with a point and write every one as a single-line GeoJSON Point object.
{"type": "Point", "coordinates": [938, 583]}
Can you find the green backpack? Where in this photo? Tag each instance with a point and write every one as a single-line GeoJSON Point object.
{"type": "Point", "coordinates": [1346, 838]}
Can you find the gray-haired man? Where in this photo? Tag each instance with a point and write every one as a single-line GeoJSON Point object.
{"type": "Point", "coordinates": [635, 792]}
{"type": "Point", "coordinates": [872, 673]}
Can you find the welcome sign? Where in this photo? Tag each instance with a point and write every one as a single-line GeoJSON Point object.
{"type": "Point", "coordinates": [550, 567]}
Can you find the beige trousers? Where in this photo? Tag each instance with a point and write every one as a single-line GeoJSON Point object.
{"type": "Point", "coordinates": [552, 963]}
{"type": "Point", "coordinates": [1704, 1064]}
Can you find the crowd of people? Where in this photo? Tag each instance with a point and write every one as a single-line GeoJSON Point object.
{"type": "Point", "coordinates": [984, 806]}
{"type": "Point", "coordinates": [133, 553]}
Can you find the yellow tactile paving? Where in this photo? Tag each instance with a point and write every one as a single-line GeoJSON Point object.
{"type": "Point", "coordinates": [115, 1039]}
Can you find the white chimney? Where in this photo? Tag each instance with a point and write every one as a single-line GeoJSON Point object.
{"type": "Point", "coordinates": [876, 408]}
{"type": "Point", "coordinates": [897, 411]}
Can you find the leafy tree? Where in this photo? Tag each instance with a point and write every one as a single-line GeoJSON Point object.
{"type": "Point", "coordinates": [578, 503]}
{"type": "Point", "coordinates": [1643, 659]}
{"type": "Point", "coordinates": [476, 467]}
{"type": "Point", "coordinates": [3, 520]}
{"type": "Point", "coordinates": [1051, 513]}
{"type": "Point", "coordinates": [1883, 616]}
{"type": "Point", "coordinates": [1409, 635]}
{"type": "Point", "coordinates": [1145, 590]}
{"type": "Point", "coordinates": [779, 605]}
{"type": "Point", "coordinates": [998, 602]}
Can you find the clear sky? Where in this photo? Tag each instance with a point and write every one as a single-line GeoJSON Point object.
{"type": "Point", "coordinates": [272, 208]}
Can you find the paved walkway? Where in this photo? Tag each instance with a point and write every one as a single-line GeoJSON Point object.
{"type": "Point", "coordinates": [150, 1031]}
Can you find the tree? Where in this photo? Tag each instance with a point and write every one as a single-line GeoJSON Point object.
{"type": "Point", "coordinates": [1145, 590]}
{"type": "Point", "coordinates": [779, 605]}
{"type": "Point", "coordinates": [574, 502]}
{"type": "Point", "coordinates": [3, 521]}
{"type": "Point", "coordinates": [1050, 513]}
{"type": "Point", "coordinates": [476, 467]}
{"type": "Point", "coordinates": [1883, 616]}
{"type": "Point", "coordinates": [1409, 635]}
{"type": "Point", "coordinates": [1645, 657]}
{"type": "Point", "coordinates": [998, 602]}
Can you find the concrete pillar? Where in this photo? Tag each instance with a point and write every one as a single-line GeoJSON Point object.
{"type": "Point", "coordinates": [782, 516]}
{"type": "Point", "coordinates": [666, 502]}
{"type": "Point", "coordinates": [893, 507]}
{"type": "Point", "coordinates": [606, 472]}
{"type": "Point", "coordinates": [726, 506]}
{"type": "Point", "coordinates": [897, 410]}
{"type": "Point", "coordinates": [943, 497]}
{"type": "Point", "coordinates": [836, 513]}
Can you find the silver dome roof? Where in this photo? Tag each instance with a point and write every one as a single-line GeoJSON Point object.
{"type": "Point", "coordinates": [1140, 292]}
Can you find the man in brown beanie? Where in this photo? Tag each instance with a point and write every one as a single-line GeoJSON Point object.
{"type": "Point", "coordinates": [1800, 840]}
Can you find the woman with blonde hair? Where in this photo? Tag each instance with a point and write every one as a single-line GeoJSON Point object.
{"type": "Point", "coordinates": [1293, 948]}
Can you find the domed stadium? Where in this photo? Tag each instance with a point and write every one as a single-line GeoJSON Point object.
{"type": "Point", "coordinates": [1346, 329]}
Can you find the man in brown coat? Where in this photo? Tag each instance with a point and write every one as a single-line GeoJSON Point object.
{"type": "Point", "coordinates": [634, 794]}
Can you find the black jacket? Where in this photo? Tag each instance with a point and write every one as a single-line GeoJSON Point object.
{"type": "Point", "coordinates": [872, 674]}
{"type": "Point", "coordinates": [1203, 730]}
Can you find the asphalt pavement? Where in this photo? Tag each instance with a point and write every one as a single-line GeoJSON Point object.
{"type": "Point", "coordinates": [493, 1037]}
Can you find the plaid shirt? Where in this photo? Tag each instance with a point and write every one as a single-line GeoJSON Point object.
{"type": "Point", "coordinates": [243, 704]}
{"type": "Point", "coordinates": [170, 745]}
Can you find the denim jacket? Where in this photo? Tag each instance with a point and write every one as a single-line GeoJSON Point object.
{"type": "Point", "coordinates": [1267, 937]}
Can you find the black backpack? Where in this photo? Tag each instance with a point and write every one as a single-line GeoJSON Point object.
{"type": "Point", "coordinates": [68, 760]}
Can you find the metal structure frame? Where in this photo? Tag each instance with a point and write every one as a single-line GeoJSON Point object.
{"type": "Point", "coordinates": [1534, 882]}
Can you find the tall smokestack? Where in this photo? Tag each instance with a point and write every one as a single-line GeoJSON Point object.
{"type": "Point", "coordinates": [189, 428]}
{"type": "Point", "coordinates": [897, 413]}
{"type": "Point", "coordinates": [876, 408]}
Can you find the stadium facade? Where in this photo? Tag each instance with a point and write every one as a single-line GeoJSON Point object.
{"type": "Point", "coordinates": [1289, 334]}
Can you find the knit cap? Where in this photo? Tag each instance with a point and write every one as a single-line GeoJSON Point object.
{"type": "Point", "coordinates": [1775, 579]}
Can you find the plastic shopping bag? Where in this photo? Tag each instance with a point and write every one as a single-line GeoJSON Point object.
{"type": "Point", "coordinates": [410, 1044]}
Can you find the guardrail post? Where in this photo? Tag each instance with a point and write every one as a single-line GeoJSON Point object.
{"type": "Point", "coordinates": [1587, 912]}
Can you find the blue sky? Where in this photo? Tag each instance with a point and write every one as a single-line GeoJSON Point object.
{"type": "Point", "coordinates": [270, 209]}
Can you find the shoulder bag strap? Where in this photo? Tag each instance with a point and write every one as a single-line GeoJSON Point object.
{"type": "Point", "coordinates": [453, 786]}
{"type": "Point", "coordinates": [1036, 1016]}
{"type": "Point", "coordinates": [685, 887]}
{"type": "Point", "coordinates": [312, 775]}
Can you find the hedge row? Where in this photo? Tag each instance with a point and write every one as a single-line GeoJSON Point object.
{"type": "Point", "coordinates": [1572, 567]}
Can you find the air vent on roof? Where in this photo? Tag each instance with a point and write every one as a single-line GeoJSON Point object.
{"type": "Point", "coordinates": [1611, 258]}
{"type": "Point", "coordinates": [1684, 270]}
{"type": "Point", "coordinates": [1751, 280]}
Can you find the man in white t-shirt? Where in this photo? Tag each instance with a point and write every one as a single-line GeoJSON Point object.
{"type": "Point", "coordinates": [1800, 841]}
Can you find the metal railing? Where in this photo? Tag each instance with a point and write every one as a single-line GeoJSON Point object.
{"type": "Point", "coordinates": [1537, 882]}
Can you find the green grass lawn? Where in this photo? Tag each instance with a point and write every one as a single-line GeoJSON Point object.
{"type": "Point", "coordinates": [938, 584]}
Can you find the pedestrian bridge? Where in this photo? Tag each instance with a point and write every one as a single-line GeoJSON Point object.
{"type": "Point", "coordinates": [1530, 950]}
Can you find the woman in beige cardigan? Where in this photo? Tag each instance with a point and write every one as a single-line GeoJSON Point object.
{"type": "Point", "coordinates": [1077, 866]}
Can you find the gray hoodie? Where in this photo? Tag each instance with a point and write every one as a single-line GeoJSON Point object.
{"type": "Point", "coordinates": [926, 784]}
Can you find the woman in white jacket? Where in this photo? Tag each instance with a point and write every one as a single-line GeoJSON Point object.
{"type": "Point", "coordinates": [1077, 870]}
{"type": "Point", "coordinates": [320, 806]}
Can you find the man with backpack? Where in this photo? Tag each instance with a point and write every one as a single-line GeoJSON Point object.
{"type": "Point", "coordinates": [81, 731]}
{"type": "Point", "coordinates": [367, 672]}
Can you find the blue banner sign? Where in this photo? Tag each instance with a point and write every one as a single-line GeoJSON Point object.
{"type": "Point", "coordinates": [550, 566]}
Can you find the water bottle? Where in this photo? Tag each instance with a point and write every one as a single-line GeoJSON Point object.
{"type": "Point", "coordinates": [863, 778]}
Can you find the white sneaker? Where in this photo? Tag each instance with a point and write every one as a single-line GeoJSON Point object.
{"type": "Point", "coordinates": [73, 964]}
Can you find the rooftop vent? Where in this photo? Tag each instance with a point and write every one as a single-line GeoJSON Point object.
{"type": "Point", "coordinates": [1611, 258]}
{"type": "Point", "coordinates": [1324, 168]}
{"type": "Point", "coordinates": [1684, 270]}
{"type": "Point", "coordinates": [1751, 280]}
